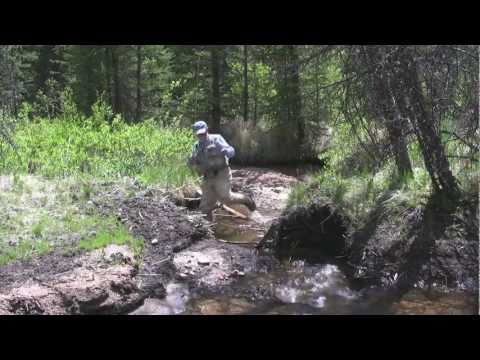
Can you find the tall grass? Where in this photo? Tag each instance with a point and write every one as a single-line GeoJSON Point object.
{"type": "Point", "coordinates": [357, 194]}
{"type": "Point", "coordinates": [74, 145]}
{"type": "Point", "coordinates": [117, 236]}
{"type": "Point", "coordinates": [24, 250]}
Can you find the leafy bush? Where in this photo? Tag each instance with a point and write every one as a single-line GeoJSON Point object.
{"type": "Point", "coordinates": [67, 146]}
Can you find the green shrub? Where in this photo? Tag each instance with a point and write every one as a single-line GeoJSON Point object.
{"type": "Point", "coordinates": [356, 196]}
{"type": "Point", "coordinates": [63, 147]}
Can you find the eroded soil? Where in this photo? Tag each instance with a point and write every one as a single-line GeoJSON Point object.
{"type": "Point", "coordinates": [191, 266]}
{"type": "Point", "coordinates": [180, 246]}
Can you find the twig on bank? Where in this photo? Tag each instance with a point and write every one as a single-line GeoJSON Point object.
{"type": "Point", "coordinates": [234, 212]}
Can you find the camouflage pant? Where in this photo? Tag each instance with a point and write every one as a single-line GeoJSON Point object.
{"type": "Point", "coordinates": [216, 187]}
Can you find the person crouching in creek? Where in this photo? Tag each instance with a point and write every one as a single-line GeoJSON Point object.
{"type": "Point", "coordinates": [210, 157]}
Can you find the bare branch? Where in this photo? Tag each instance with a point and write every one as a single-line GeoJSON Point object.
{"type": "Point", "coordinates": [458, 137]}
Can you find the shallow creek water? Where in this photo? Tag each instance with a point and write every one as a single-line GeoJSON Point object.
{"type": "Point", "coordinates": [305, 290]}
{"type": "Point", "coordinates": [296, 289]}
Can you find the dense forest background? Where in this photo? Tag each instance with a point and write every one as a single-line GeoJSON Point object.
{"type": "Point", "coordinates": [411, 106]}
{"type": "Point", "coordinates": [393, 131]}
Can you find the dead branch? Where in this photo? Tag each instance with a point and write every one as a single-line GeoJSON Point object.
{"type": "Point", "coordinates": [234, 212]}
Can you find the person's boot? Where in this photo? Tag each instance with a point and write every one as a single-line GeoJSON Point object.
{"type": "Point", "coordinates": [250, 203]}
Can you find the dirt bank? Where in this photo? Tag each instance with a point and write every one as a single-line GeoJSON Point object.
{"type": "Point", "coordinates": [314, 233]}
{"type": "Point", "coordinates": [420, 248]}
{"type": "Point", "coordinates": [99, 282]}
{"type": "Point", "coordinates": [180, 246]}
{"type": "Point", "coordinates": [393, 250]}
{"type": "Point", "coordinates": [224, 269]}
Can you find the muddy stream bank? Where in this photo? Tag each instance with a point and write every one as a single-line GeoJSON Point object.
{"type": "Point", "coordinates": [190, 266]}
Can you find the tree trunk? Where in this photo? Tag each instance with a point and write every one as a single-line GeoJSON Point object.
{"type": "Point", "coordinates": [138, 112]}
{"type": "Point", "coordinates": [395, 128]}
{"type": "Point", "coordinates": [108, 73]}
{"type": "Point", "coordinates": [317, 91]}
{"type": "Point", "coordinates": [399, 146]}
{"type": "Point", "coordinates": [14, 92]}
{"type": "Point", "coordinates": [290, 121]}
{"type": "Point", "coordinates": [245, 83]}
{"type": "Point", "coordinates": [412, 102]}
{"type": "Point", "coordinates": [295, 97]}
{"type": "Point", "coordinates": [385, 107]}
{"type": "Point", "coordinates": [216, 102]}
{"type": "Point", "coordinates": [117, 101]}
{"type": "Point", "coordinates": [255, 93]}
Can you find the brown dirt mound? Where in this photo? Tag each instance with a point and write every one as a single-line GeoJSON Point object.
{"type": "Point", "coordinates": [167, 229]}
{"type": "Point", "coordinates": [418, 249]}
{"type": "Point", "coordinates": [398, 251]}
{"type": "Point", "coordinates": [313, 232]}
{"type": "Point", "coordinates": [79, 283]}
{"type": "Point", "coordinates": [156, 219]}
{"type": "Point", "coordinates": [94, 285]}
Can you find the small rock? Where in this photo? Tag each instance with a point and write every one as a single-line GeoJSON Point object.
{"type": "Point", "coordinates": [154, 241]}
{"type": "Point", "coordinates": [202, 259]}
{"type": "Point", "coordinates": [13, 242]}
{"type": "Point", "coordinates": [118, 253]}
{"type": "Point", "coordinates": [238, 273]}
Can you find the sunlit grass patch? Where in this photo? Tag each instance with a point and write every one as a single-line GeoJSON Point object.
{"type": "Point", "coordinates": [23, 251]}
{"type": "Point", "coordinates": [50, 217]}
{"type": "Point", "coordinates": [358, 195]}
{"type": "Point", "coordinates": [117, 236]}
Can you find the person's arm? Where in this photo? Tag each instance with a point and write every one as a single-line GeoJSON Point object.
{"type": "Point", "coordinates": [225, 148]}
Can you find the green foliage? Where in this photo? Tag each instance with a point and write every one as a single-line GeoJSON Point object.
{"type": "Point", "coordinates": [177, 112]}
{"type": "Point", "coordinates": [69, 147]}
{"type": "Point", "coordinates": [54, 214]}
{"type": "Point", "coordinates": [22, 251]}
{"type": "Point", "coordinates": [69, 107]}
{"type": "Point", "coordinates": [356, 196]}
{"type": "Point", "coordinates": [261, 84]}
{"type": "Point", "coordinates": [413, 192]}
{"type": "Point", "coordinates": [109, 232]}
{"type": "Point", "coordinates": [85, 74]}
{"type": "Point", "coordinates": [38, 228]}
{"type": "Point", "coordinates": [298, 195]}
{"type": "Point", "coordinates": [169, 175]}
{"type": "Point", "coordinates": [117, 236]}
{"type": "Point", "coordinates": [25, 112]}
